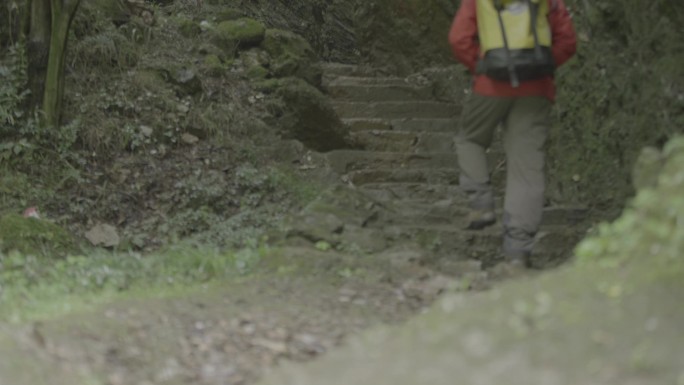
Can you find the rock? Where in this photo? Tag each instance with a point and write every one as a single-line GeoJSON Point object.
{"type": "Point", "coordinates": [309, 117]}
{"type": "Point", "coordinates": [255, 57]}
{"type": "Point", "coordinates": [292, 55]}
{"type": "Point", "coordinates": [146, 131]}
{"type": "Point", "coordinates": [228, 14]}
{"type": "Point", "coordinates": [241, 33]}
{"type": "Point", "coordinates": [257, 72]}
{"type": "Point", "coordinates": [189, 138]}
{"type": "Point", "coordinates": [316, 226]}
{"type": "Point", "coordinates": [188, 27]}
{"type": "Point", "coordinates": [368, 240]}
{"type": "Point", "coordinates": [427, 290]}
{"type": "Point", "coordinates": [308, 344]}
{"type": "Point", "coordinates": [103, 235]}
{"type": "Point", "coordinates": [213, 65]}
{"type": "Point", "coordinates": [187, 81]}
{"type": "Point", "coordinates": [256, 62]}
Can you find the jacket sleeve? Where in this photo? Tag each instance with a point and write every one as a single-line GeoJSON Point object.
{"type": "Point", "coordinates": [564, 39]}
{"type": "Point", "coordinates": [463, 35]}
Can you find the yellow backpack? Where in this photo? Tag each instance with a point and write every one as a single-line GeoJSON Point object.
{"type": "Point", "coordinates": [515, 39]}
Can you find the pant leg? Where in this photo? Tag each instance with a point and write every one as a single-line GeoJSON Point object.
{"type": "Point", "coordinates": [481, 116]}
{"type": "Point", "coordinates": [526, 128]}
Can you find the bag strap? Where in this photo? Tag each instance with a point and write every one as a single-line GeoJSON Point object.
{"type": "Point", "coordinates": [509, 61]}
{"type": "Point", "coordinates": [534, 15]}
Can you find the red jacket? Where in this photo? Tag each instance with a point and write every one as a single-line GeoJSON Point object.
{"type": "Point", "coordinates": [465, 46]}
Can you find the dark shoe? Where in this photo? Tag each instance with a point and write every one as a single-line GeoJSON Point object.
{"type": "Point", "coordinates": [518, 258]}
{"type": "Point", "coordinates": [479, 219]}
{"type": "Point", "coordinates": [509, 268]}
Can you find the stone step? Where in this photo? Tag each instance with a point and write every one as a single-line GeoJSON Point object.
{"type": "Point", "coordinates": [399, 175]}
{"type": "Point", "coordinates": [443, 125]}
{"type": "Point", "coordinates": [404, 141]}
{"type": "Point", "coordinates": [344, 161]}
{"type": "Point", "coordinates": [442, 212]}
{"type": "Point", "coordinates": [334, 70]}
{"type": "Point", "coordinates": [454, 211]}
{"type": "Point", "coordinates": [451, 239]}
{"type": "Point", "coordinates": [387, 81]}
{"type": "Point", "coordinates": [413, 191]}
{"type": "Point", "coordinates": [396, 110]}
{"type": "Point", "coordinates": [442, 238]}
{"type": "Point", "coordinates": [377, 92]}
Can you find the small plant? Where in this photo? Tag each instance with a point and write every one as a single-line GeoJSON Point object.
{"type": "Point", "coordinates": [13, 91]}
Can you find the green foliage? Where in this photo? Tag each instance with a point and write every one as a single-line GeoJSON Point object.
{"type": "Point", "coordinates": [98, 44]}
{"type": "Point", "coordinates": [653, 224]}
{"type": "Point", "coordinates": [13, 90]}
{"type": "Point", "coordinates": [23, 135]}
{"type": "Point", "coordinates": [404, 35]}
{"type": "Point", "coordinates": [623, 91]}
{"type": "Point", "coordinates": [28, 281]}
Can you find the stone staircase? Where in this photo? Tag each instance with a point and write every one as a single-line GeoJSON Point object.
{"type": "Point", "coordinates": [407, 161]}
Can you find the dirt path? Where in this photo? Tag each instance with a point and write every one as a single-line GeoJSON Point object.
{"type": "Point", "coordinates": [376, 249]}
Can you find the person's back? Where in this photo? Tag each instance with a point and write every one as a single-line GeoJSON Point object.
{"type": "Point", "coordinates": [511, 47]}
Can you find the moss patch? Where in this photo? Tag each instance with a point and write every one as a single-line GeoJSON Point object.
{"type": "Point", "coordinates": [35, 237]}
{"type": "Point", "coordinates": [241, 33]}
{"type": "Point", "coordinates": [291, 56]}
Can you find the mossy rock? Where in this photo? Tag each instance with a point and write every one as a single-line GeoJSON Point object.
{"type": "Point", "coordinates": [220, 2]}
{"type": "Point", "coordinates": [309, 117]}
{"type": "Point", "coordinates": [213, 65]}
{"type": "Point", "coordinates": [267, 86]}
{"type": "Point", "coordinates": [35, 237]}
{"type": "Point", "coordinates": [255, 57]}
{"type": "Point", "coordinates": [188, 27]}
{"type": "Point", "coordinates": [257, 72]}
{"type": "Point", "coordinates": [241, 33]}
{"type": "Point", "coordinates": [228, 14]}
{"type": "Point", "coordinates": [185, 80]}
{"type": "Point", "coordinates": [278, 42]}
{"type": "Point", "coordinates": [292, 55]}
{"type": "Point", "coordinates": [257, 63]}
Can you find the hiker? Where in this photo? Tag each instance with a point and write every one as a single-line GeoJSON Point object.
{"type": "Point", "coordinates": [512, 61]}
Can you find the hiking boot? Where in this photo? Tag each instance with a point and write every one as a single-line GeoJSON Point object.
{"type": "Point", "coordinates": [479, 219]}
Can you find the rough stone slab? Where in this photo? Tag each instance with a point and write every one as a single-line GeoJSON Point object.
{"type": "Point", "coordinates": [447, 216]}
{"type": "Point", "coordinates": [445, 125]}
{"type": "Point", "coordinates": [413, 191]}
{"type": "Point", "coordinates": [343, 161]}
{"type": "Point", "coordinates": [414, 175]}
{"type": "Point", "coordinates": [367, 81]}
{"type": "Point", "coordinates": [404, 141]}
{"type": "Point", "coordinates": [344, 69]}
{"type": "Point", "coordinates": [396, 110]}
{"type": "Point", "coordinates": [445, 238]}
{"type": "Point", "coordinates": [370, 93]}
{"type": "Point", "coordinates": [445, 212]}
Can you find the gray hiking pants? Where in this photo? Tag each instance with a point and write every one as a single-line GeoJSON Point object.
{"type": "Point", "coordinates": [525, 121]}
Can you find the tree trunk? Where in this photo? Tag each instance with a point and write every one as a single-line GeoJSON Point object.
{"type": "Point", "coordinates": [63, 12]}
{"type": "Point", "coordinates": [38, 49]}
